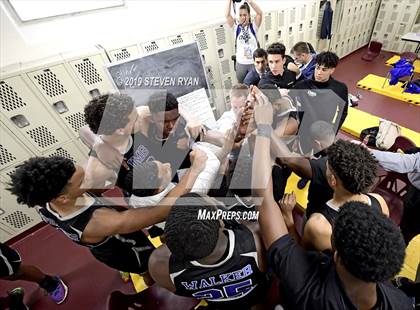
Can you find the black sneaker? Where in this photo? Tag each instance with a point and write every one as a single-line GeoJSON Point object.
{"type": "Point", "coordinates": [16, 299]}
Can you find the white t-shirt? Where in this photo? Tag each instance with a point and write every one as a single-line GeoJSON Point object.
{"type": "Point", "coordinates": [246, 43]}
{"type": "Point", "coordinates": [225, 122]}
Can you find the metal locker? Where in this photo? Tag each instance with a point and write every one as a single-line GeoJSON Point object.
{"type": "Point", "coordinates": [207, 48]}
{"type": "Point", "coordinates": [62, 94]}
{"type": "Point", "coordinates": [292, 16]}
{"type": "Point", "coordinates": [218, 97]}
{"type": "Point", "coordinates": [268, 29]}
{"type": "Point", "coordinates": [15, 217]}
{"type": "Point", "coordinates": [180, 39]}
{"type": "Point", "coordinates": [124, 53]}
{"type": "Point", "coordinates": [11, 150]}
{"type": "Point", "coordinates": [4, 235]}
{"type": "Point", "coordinates": [154, 46]}
{"type": "Point", "coordinates": [222, 35]}
{"type": "Point", "coordinates": [281, 20]}
{"type": "Point", "coordinates": [302, 13]}
{"type": "Point", "coordinates": [27, 117]}
{"type": "Point", "coordinates": [90, 72]}
{"type": "Point", "coordinates": [292, 33]}
{"type": "Point", "coordinates": [314, 9]}
{"type": "Point", "coordinates": [69, 150]}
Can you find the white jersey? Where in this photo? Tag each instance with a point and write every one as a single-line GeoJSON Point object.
{"type": "Point", "coordinates": [246, 43]}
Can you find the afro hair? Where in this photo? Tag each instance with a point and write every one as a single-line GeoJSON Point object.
{"type": "Point", "coordinates": [41, 179]}
{"type": "Point", "coordinates": [107, 113]}
{"type": "Point", "coordinates": [353, 164]}
{"type": "Point", "coordinates": [370, 245]}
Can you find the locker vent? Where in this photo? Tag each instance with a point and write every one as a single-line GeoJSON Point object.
{"type": "Point", "coordinates": [177, 40]}
{"type": "Point", "coordinates": [11, 172]}
{"type": "Point", "coordinates": [228, 84]}
{"type": "Point", "coordinates": [225, 66]}
{"type": "Point", "coordinates": [268, 22]}
{"type": "Point", "coordinates": [123, 54]}
{"type": "Point", "coordinates": [281, 19]}
{"type": "Point", "coordinates": [292, 16]}
{"type": "Point", "coordinates": [9, 98]}
{"type": "Point", "coordinates": [76, 121]}
{"type": "Point", "coordinates": [303, 13]}
{"type": "Point", "coordinates": [50, 83]}
{"type": "Point", "coordinates": [210, 74]}
{"type": "Point", "coordinates": [202, 41]}
{"type": "Point", "coordinates": [60, 152]}
{"type": "Point", "coordinates": [88, 72]}
{"type": "Point", "coordinates": [406, 17]}
{"type": "Point", "coordinates": [17, 219]}
{"type": "Point", "coordinates": [313, 10]}
{"type": "Point", "coordinates": [213, 90]}
{"type": "Point", "coordinates": [5, 156]}
{"type": "Point", "coordinates": [151, 47]}
{"type": "Point", "coordinates": [42, 136]}
{"type": "Point", "coordinates": [221, 36]}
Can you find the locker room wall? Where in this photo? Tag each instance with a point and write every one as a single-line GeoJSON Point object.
{"type": "Point", "coordinates": [352, 25]}
{"type": "Point", "coordinates": [396, 18]}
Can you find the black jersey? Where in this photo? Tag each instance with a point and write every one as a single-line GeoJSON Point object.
{"type": "Point", "coordinates": [331, 213]}
{"type": "Point", "coordinates": [125, 252]}
{"type": "Point", "coordinates": [142, 148]}
{"type": "Point", "coordinates": [235, 281]}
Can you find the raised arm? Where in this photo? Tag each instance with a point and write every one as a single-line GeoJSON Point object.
{"type": "Point", "coordinates": [299, 164]}
{"type": "Point", "coordinates": [271, 221]}
{"type": "Point", "coordinates": [107, 222]}
{"type": "Point", "coordinates": [229, 19]}
{"type": "Point", "coordinates": [401, 163]}
{"type": "Point", "coordinates": [258, 11]}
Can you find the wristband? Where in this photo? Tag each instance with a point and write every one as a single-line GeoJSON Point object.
{"type": "Point", "coordinates": [264, 130]}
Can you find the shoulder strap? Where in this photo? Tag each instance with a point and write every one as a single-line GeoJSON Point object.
{"type": "Point", "coordinates": [255, 34]}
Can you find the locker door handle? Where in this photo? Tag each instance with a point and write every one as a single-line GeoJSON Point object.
{"type": "Point", "coordinates": [20, 120]}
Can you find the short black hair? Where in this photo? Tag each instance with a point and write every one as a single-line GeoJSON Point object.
{"type": "Point", "coordinates": [276, 49]}
{"type": "Point", "coordinates": [187, 237]}
{"type": "Point", "coordinates": [321, 130]}
{"type": "Point", "coordinates": [353, 164]}
{"type": "Point", "coordinates": [271, 91]}
{"type": "Point", "coordinates": [145, 181]}
{"type": "Point", "coordinates": [369, 244]}
{"type": "Point", "coordinates": [107, 113]}
{"type": "Point", "coordinates": [259, 52]}
{"type": "Point", "coordinates": [40, 179]}
{"type": "Point", "coordinates": [162, 101]}
{"type": "Point", "coordinates": [327, 59]}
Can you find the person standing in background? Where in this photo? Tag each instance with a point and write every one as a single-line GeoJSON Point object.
{"type": "Point", "coordinates": [245, 34]}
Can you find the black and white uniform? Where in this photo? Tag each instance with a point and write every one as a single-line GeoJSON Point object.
{"type": "Point", "coordinates": [9, 261]}
{"type": "Point", "coordinates": [234, 282]}
{"type": "Point", "coordinates": [330, 212]}
{"type": "Point", "coordinates": [143, 148]}
{"type": "Point", "coordinates": [124, 252]}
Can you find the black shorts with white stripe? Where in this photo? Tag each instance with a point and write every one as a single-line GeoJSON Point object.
{"type": "Point", "coordinates": [9, 261]}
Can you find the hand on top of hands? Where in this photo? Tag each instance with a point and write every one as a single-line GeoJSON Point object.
{"type": "Point", "coordinates": [263, 109]}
